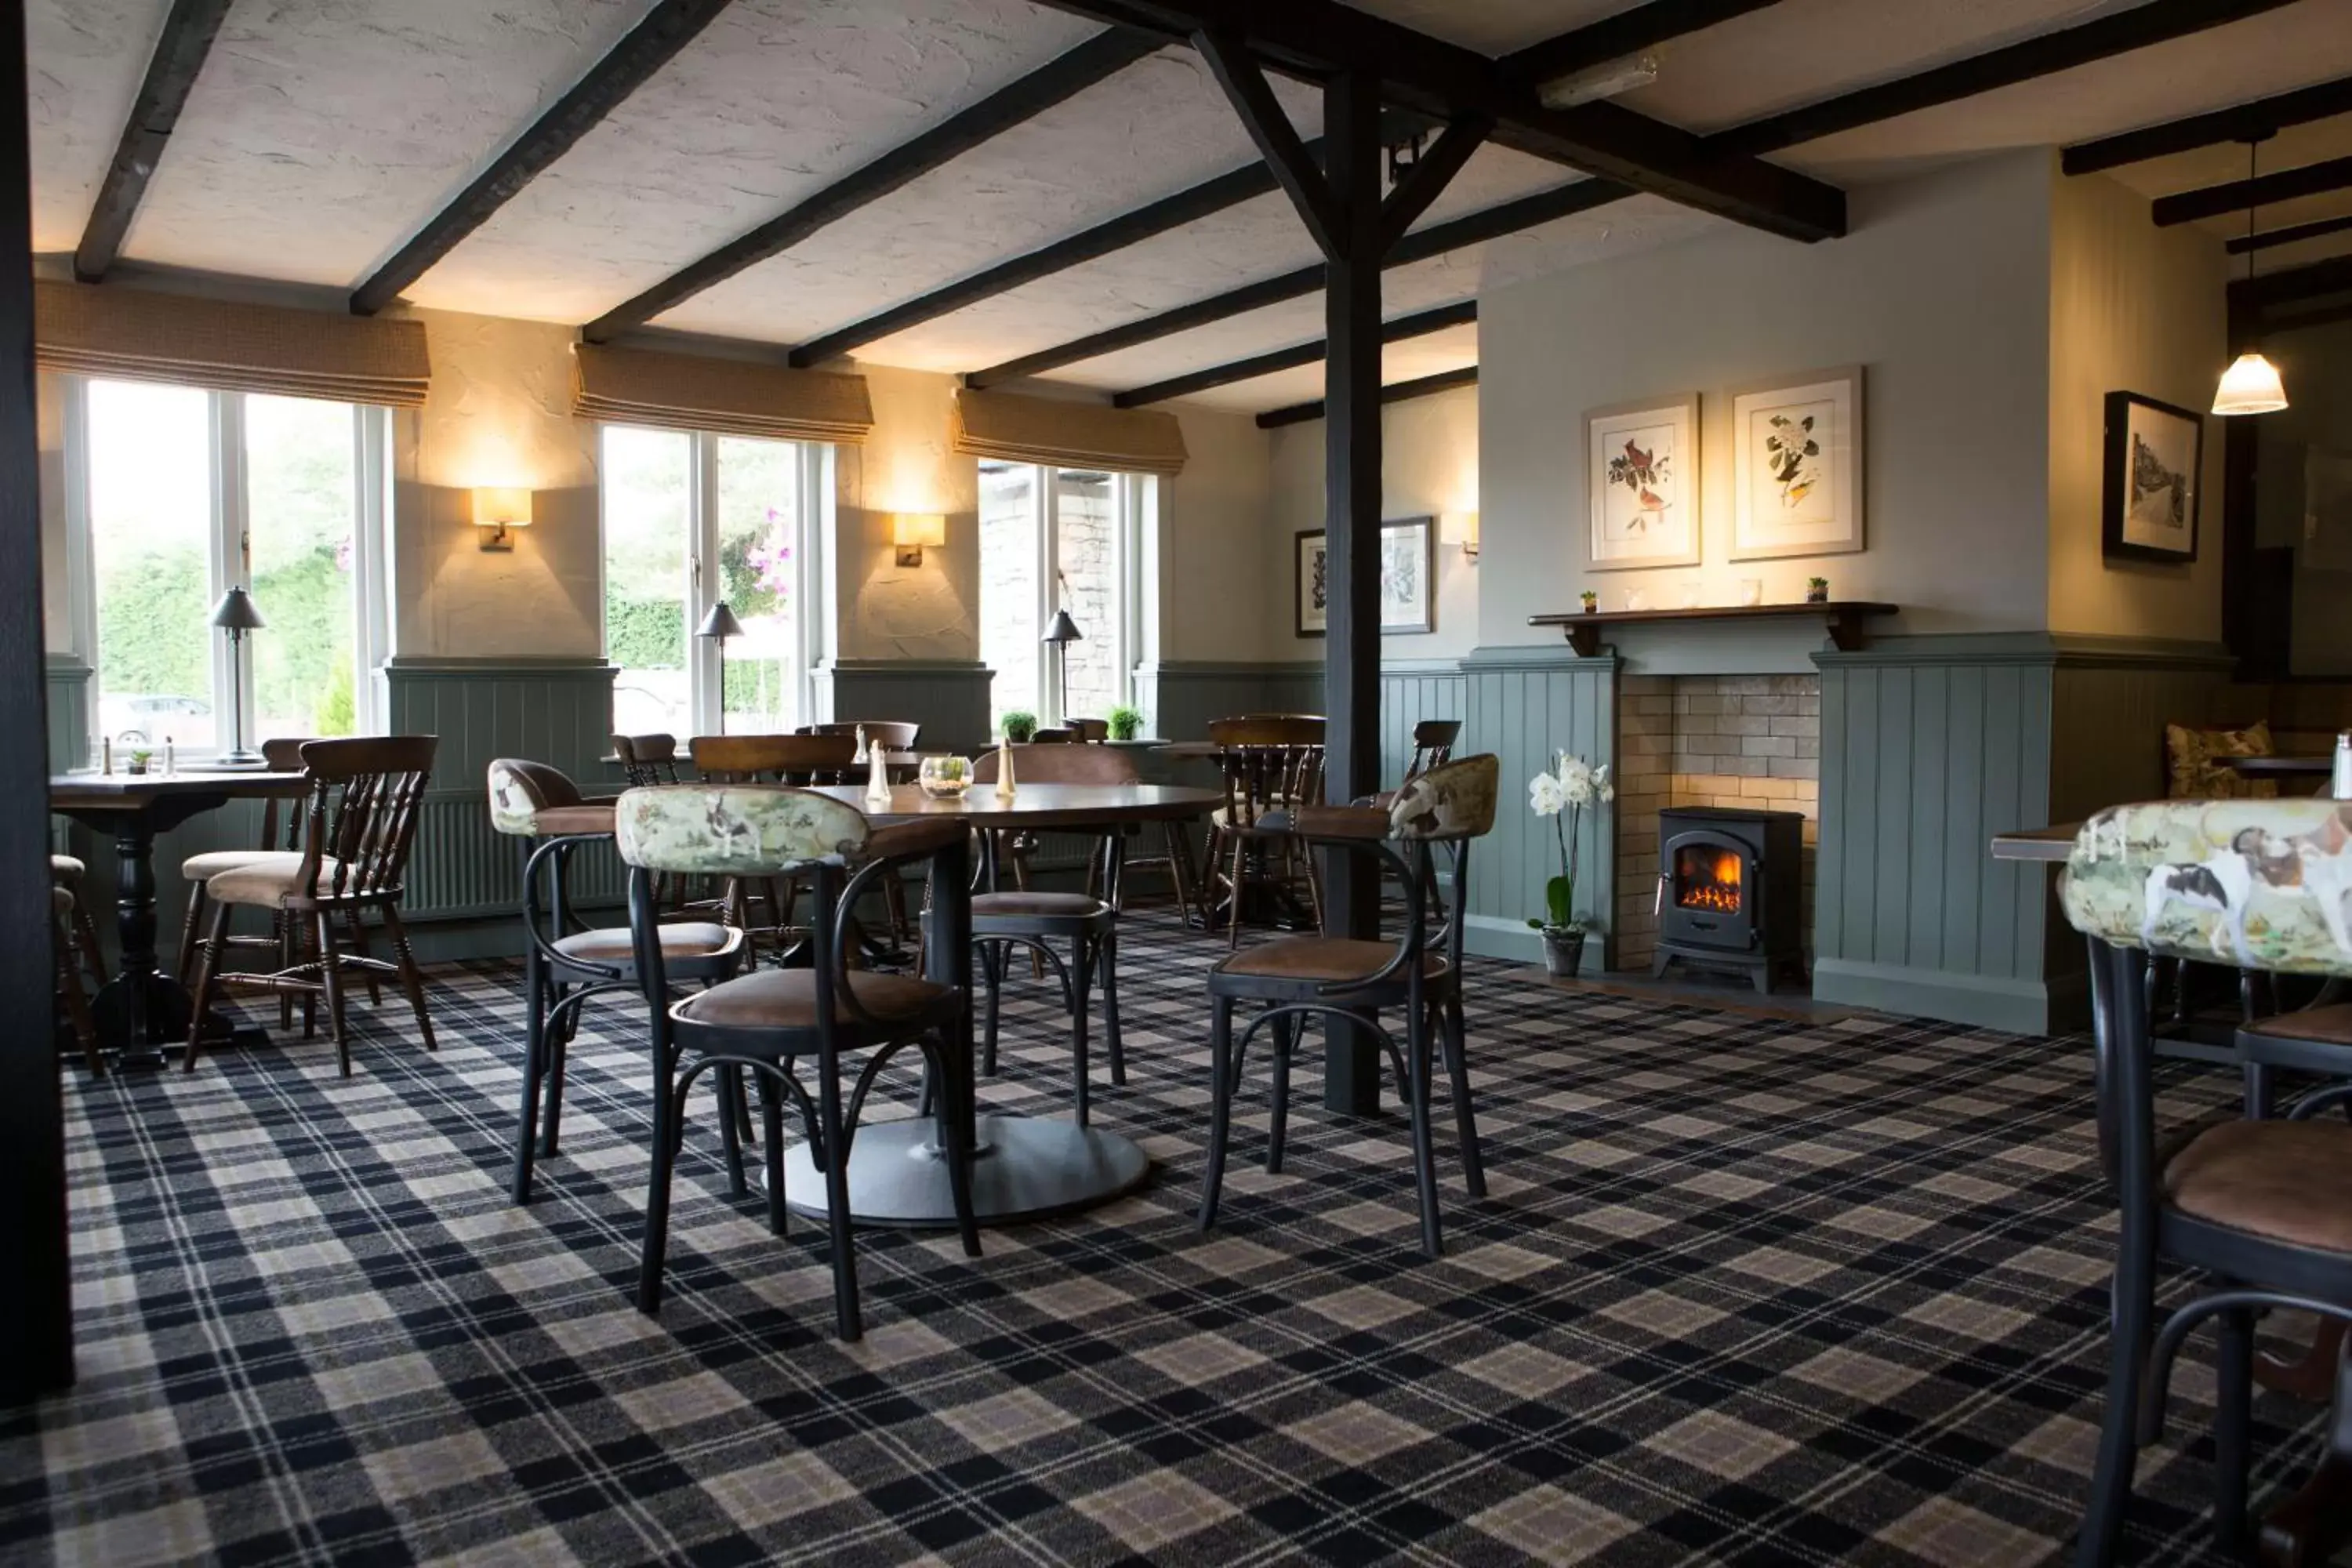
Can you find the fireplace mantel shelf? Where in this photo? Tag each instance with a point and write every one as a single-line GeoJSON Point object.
{"type": "Point", "coordinates": [1848, 620]}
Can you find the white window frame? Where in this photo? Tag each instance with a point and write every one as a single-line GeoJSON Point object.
{"type": "Point", "coordinates": [1133, 498]}
{"type": "Point", "coordinates": [701, 587]}
{"type": "Point", "coordinates": [230, 556]}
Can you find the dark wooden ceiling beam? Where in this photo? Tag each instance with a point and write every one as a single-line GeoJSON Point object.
{"type": "Point", "coordinates": [627, 65]}
{"type": "Point", "coordinates": [1626, 33]}
{"type": "Point", "coordinates": [1446, 81]}
{"type": "Point", "coordinates": [1431, 173]}
{"type": "Point", "coordinates": [1270, 129]}
{"type": "Point", "coordinates": [2264, 117]}
{"type": "Point", "coordinates": [1395, 391]}
{"type": "Point", "coordinates": [2308, 281]}
{"type": "Point", "coordinates": [2156, 22]}
{"type": "Point", "coordinates": [2293, 233]}
{"type": "Point", "coordinates": [188, 34]}
{"type": "Point", "coordinates": [2238, 196]}
{"type": "Point", "coordinates": [1414, 326]}
{"type": "Point", "coordinates": [1492, 222]}
{"type": "Point", "coordinates": [1096, 60]}
{"type": "Point", "coordinates": [1206, 199]}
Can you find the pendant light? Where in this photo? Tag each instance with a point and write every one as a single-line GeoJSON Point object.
{"type": "Point", "coordinates": [2251, 384]}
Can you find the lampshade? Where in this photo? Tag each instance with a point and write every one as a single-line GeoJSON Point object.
{"type": "Point", "coordinates": [1064, 629]}
{"type": "Point", "coordinates": [2251, 386]}
{"type": "Point", "coordinates": [502, 507]}
{"type": "Point", "coordinates": [719, 623]}
{"type": "Point", "coordinates": [235, 612]}
{"type": "Point", "coordinates": [918, 528]}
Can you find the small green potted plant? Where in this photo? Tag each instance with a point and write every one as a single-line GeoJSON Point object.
{"type": "Point", "coordinates": [1817, 590]}
{"type": "Point", "coordinates": [1126, 723]}
{"type": "Point", "coordinates": [1020, 726]}
{"type": "Point", "coordinates": [1564, 793]}
{"type": "Point", "coordinates": [138, 764]}
{"type": "Point", "coordinates": [1590, 599]}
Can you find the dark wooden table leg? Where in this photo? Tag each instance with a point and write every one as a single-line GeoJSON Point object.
{"type": "Point", "coordinates": [2306, 1529]}
{"type": "Point", "coordinates": [142, 1008]}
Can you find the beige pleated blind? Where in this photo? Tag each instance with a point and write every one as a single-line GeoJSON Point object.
{"type": "Point", "coordinates": [1017, 429]}
{"type": "Point", "coordinates": [733, 397]}
{"type": "Point", "coordinates": [139, 335]}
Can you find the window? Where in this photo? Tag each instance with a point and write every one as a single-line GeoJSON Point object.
{"type": "Point", "coordinates": [1059, 539]}
{"type": "Point", "coordinates": [175, 495]}
{"type": "Point", "coordinates": [672, 501]}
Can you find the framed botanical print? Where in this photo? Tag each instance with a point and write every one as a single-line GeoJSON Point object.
{"type": "Point", "coordinates": [1796, 465]}
{"type": "Point", "coordinates": [1408, 578]}
{"type": "Point", "coordinates": [1640, 462]}
{"type": "Point", "coordinates": [2148, 498]}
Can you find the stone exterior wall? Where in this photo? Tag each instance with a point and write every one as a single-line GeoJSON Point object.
{"type": "Point", "coordinates": [1750, 741]}
{"type": "Point", "coordinates": [1087, 558]}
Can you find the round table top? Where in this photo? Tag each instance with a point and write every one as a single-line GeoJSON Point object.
{"type": "Point", "coordinates": [122, 789]}
{"type": "Point", "coordinates": [1041, 804]}
{"type": "Point", "coordinates": [2293, 767]}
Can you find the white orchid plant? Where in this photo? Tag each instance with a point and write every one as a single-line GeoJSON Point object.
{"type": "Point", "coordinates": [1571, 788]}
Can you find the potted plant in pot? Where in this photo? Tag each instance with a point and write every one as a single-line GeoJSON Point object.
{"type": "Point", "coordinates": [1126, 723]}
{"type": "Point", "coordinates": [1564, 794]}
{"type": "Point", "coordinates": [1817, 590]}
{"type": "Point", "coordinates": [1020, 726]}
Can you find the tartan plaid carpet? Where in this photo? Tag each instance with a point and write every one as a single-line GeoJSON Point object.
{"type": "Point", "coordinates": [1745, 1291]}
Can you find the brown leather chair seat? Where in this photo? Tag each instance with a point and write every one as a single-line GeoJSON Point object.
{"type": "Point", "coordinates": [268, 881]}
{"type": "Point", "coordinates": [1080, 905]}
{"type": "Point", "coordinates": [786, 999]}
{"type": "Point", "coordinates": [614, 945]}
{"type": "Point", "coordinates": [561, 821]}
{"type": "Point", "coordinates": [2283, 1180]}
{"type": "Point", "coordinates": [1321, 958]}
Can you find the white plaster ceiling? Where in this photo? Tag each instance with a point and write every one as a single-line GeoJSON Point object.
{"type": "Point", "coordinates": [322, 132]}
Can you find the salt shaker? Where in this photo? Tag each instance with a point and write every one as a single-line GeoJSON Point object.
{"type": "Point", "coordinates": [1004, 786]}
{"type": "Point", "coordinates": [2340, 783]}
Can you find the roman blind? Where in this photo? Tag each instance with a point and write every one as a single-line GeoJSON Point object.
{"type": "Point", "coordinates": [139, 335]}
{"type": "Point", "coordinates": [732, 398]}
{"type": "Point", "coordinates": [1012, 428]}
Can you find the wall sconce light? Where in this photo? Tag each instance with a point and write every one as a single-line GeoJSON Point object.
{"type": "Point", "coordinates": [911, 531]}
{"type": "Point", "coordinates": [1470, 537]}
{"type": "Point", "coordinates": [500, 509]}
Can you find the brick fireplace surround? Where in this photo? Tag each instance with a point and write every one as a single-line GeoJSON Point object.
{"type": "Point", "coordinates": [1706, 740]}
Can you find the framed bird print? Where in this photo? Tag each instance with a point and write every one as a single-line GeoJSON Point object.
{"type": "Point", "coordinates": [1796, 465]}
{"type": "Point", "coordinates": [1642, 475]}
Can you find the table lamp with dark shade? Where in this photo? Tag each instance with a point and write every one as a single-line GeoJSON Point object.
{"type": "Point", "coordinates": [236, 615]}
{"type": "Point", "coordinates": [718, 625]}
{"type": "Point", "coordinates": [1059, 636]}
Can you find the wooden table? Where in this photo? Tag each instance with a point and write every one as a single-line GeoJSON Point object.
{"type": "Point", "coordinates": [2280, 768]}
{"type": "Point", "coordinates": [142, 1009]}
{"type": "Point", "coordinates": [1026, 1167]}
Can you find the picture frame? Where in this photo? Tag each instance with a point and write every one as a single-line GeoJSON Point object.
{"type": "Point", "coordinates": [1641, 484]}
{"type": "Point", "coordinates": [1408, 579]}
{"type": "Point", "coordinates": [1797, 466]}
{"type": "Point", "coordinates": [2152, 464]}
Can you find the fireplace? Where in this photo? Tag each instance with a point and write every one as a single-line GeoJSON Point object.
{"type": "Point", "coordinates": [1730, 891]}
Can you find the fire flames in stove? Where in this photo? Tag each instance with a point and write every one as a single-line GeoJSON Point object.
{"type": "Point", "coordinates": [1708, 879]}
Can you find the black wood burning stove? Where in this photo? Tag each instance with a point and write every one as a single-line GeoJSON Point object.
{"type": "Point", "coordinates": [1730, 891]}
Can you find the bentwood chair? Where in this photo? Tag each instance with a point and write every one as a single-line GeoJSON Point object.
{"type": "Point", "coordinates": [1003, 920]}
{"type": "Point", "coordinates": [772, 1022]}
{"type": "Point", "coordinates": [799, 759]}
{"type": "Point", "coordinates": [359, 823]}
{"type": "Point", "coordinates": [1266, 763]}
{"type": "Point", "coordinates": [1292, 979]}
{"type": "Point", "coordinates": [280, 845]}
{"type": "Point", "coordinates": [567, 965]}
{"type": "Point", "coordinates": [2255, 1205]}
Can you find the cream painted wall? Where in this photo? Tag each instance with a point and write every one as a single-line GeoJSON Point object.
{"type": "Point", "coordinates": [1213, 598]}
{"type": "Point", "coordinates": [1941, 292]}
{"type": "Point", "coordinates": [499, 412]}
{"type": "Point", "coordinates": [883, 610]}
{"type": "Point", "coordinates": [1429, 468]}
{"type": "Point", "coordinates": [2133, 308]}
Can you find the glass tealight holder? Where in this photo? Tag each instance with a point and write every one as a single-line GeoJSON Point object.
{"type": "Point", "coordinates": [1637, 598]}
{"type": "Point", "coordinates": [945, 777]}
{"type": "Point", "coordinates": [1751, 590]}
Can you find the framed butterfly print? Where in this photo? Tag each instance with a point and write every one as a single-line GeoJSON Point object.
{"type": "Point", "coordinates": [1796, 465]}
{"type": "Point", "coordinates": [1641, 464]}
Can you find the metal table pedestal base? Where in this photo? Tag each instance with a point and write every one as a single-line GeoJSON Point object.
{"type": "Point", "coordinates": [1028, 1168]}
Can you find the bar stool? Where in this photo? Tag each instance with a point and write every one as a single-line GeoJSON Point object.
{"type": "Point", "coordinates": [2256, 1205]}
{"type": "Point", "coordinates": [1356, 979]}
{"type": "Point", "coordinates": [566, 965]}
{"type": "Point", "coordinates": [1001, 921]}
{"type": "Point", "coordinates": [768, 1022]}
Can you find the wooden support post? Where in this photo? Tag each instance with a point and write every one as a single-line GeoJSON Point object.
{"type": "Point", "coordinates": [36, 1310]}
{"type": "Point", "coordinates": [1351, 483]}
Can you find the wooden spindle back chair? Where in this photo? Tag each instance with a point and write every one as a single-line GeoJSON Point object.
{"type": "Point", "coordinates": [1266, 763]}
{"type": "Point", "coordinates": [281, 834]}
{"type": "Point", "coordinates": [647, 759]}
{"type": "Point", "coordinates": [890, 734]}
